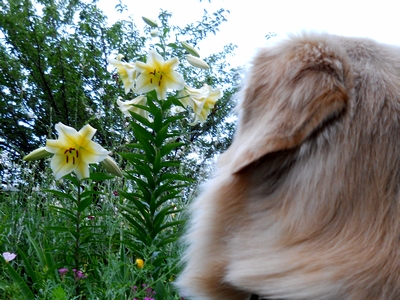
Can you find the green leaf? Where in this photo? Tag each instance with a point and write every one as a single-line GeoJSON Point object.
{"type": "Point", "coordinates": [144, 219]}
{"type": "Point", "coordinates": [170, 176]}
{"type": "Point", "coordinates": [143, 187]}
{"type": "Point", "coordinates": [99, 176]}
{"type": "Point", "coordinates": [140, 118]}
{"type": "Point", "coordinates": [28, 268]}
{"type": "Point", "coordinates": [161, 135]}
{"type": "Point", "coordinates": [160, 290]}
{"type": "Point", "coordinates": [166, 241]}
{"type": "Point", "coordinates": [57, 228]}
{"type": "Point", "coordinates": [172, 45]}
{"type": "Point", "coordinates": [140, 231]}
{"type": "Point", "coordinates": [170, 163]}
{"type": "Point", "coordinates": [171, 195]}
{"type": "Point", "coordinates": [169, 147]}
{"type": "Point", "coordinates": [172, 224]}
{"type": "Point", "coordinates": [60, 194]}
{"type": "Point", "coordinates": [134, 146]}
{"type": "Point", "coordinates": [144, 138]}
{"type": "Point", "coordinates": [4, 285]}
{"type": "Point", "coordinates": [157, 163]}
{"type": "Point", "coordinates": [64, 211]}
{"type": "Point", "coordinates": [84, 204]}
{"type": "Point", "coordinates": [26, 292]}
{"type": "Point", "coordinates": [39, 252]}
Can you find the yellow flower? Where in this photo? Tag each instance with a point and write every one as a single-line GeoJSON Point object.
{"type": "Point", "coordinates": [126, 71]}
{"type": "Point", "coordinates": [157, 74]}
{"type": "Point", "coordinates": [140, 263]}
{"type": "Point", "coordinates": [73, 151]}
{"type": "Point", "coordinates": [126, 106]}
{"type": "Point", "coordinates": [200, 100]}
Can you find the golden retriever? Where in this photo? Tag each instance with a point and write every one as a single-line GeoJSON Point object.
{"type": "Point", "coordinates": [305, 203]}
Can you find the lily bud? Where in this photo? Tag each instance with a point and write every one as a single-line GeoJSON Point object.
{"type": "Point", "coordinates": [197, 62]}
{"type": "Point", "coordinates": [37, 154]}
{"type": "Point", "coordinates": [111, 166]}
{"type": "Point", "coordinates": [190, 49]}
{"type": "Point", "coordinates": [154, 33]}
{"type": "Point", "coordinates": [150, 22]}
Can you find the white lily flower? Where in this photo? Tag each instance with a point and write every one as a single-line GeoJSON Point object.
{"type": "Point", "coordinates": [126, 107]}
{"type": "Point", "coordinates": [200, 100]}
{"type": "Point", "coordinates": [126, 71]}
{"type": "Point", "coordinates": [157, 74]}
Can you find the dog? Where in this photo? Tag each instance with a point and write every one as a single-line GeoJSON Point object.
{"type": "Point", "coordinates": [305, 203]}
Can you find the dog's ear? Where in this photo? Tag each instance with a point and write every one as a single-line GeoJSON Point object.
{"type": "Point", "coordinates": [290, 92]}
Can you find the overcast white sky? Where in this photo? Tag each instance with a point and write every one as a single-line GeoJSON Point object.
{"type": "Point", "coordinates": [250, 20]}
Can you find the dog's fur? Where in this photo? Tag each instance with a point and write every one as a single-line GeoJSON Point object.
{"type": "Point", "coordinates": [306, 201]}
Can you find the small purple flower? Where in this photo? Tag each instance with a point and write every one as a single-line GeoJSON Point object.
{"type": "Point", "coordinates": [90, 217]}
{"type": "Point", "coordinates": [63, 271]}
{"type": "Point", "coordinates": [9, 256]}
{"type": "Point", "coordinates": [115, 193]}
{"type": "Point", "coordinates": [79, 274]}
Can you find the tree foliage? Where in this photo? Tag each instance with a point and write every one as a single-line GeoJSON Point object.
{"type": "Point", "coordinates": [54, 69]}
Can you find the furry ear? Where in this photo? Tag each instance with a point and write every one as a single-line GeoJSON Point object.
{"type": "Point", "coordinates": [290, 92]}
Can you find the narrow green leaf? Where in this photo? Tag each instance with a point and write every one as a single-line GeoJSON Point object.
{"type": "Point", "coordinates": [160, 290]}
{"type": "Point", "coordinates": [170, 176]}
{"type": "Point", "coordinates": [170, 163]}
{"type": "Point", "coordinates": [123, 269]}
{"type": "Point", "coordinates": [134, 146]}
{"type": "Point", "coordinates": [26, 292]}
{"type": "Point", "coordinates": [172, 224]}
{"type": "Point", "coordinates": [161, 135]}
{"type": "Point", "coordinates": [57, 228]}
{"type": "Point", "coordinates": [146, 172]}
{"type": "Point", "coordinates": [140, 231]}
{"type": "Point", "coordinates": [171, 119]}
{"type": "Point", "coordinates": [60, 194]}
{"type": "Point", "coordinates": [169, 147]}
{"type": "Point", "coordinates": [4, 285]}
{"type": "Point", "coordinates": [172, 45]}
{"type": "Point", "coordinates": [29, 270]}
{"type": "Point", "coordinates": [98, 176]}
{"type": "Point", "coordinates": [85, 203]}
{"type": "Point", "coordinates": [39, 252]}
{"type": "Point", "coordinates": [171, 195]}
{"type": "Point", "coordinates": [140, 118]}
{"type": "Point", "coordinates": [157, 162]}
{"type": "Point", "coordinates": [90, 193]}
{"type": "Point", "coordinates": [135, 157]}
{"type": "Point", "coordinates": [166, 241]}
{"type": "Point", "coordinates": [64, 211]}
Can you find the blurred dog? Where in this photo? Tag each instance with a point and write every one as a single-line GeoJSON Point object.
{"type": "Point", "coordinates": [305, 203]}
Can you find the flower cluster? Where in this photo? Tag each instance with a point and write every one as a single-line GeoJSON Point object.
{"type": "Point", "coordinates": [78, 274]}
{"type": "Point", "coordinates": [148, 291]}
{"type": "Point", "coordinates": [63, 271]}
{"type": "Point", "coordinates": [160, 75]}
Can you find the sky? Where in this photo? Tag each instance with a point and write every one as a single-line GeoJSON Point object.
{"type": "Point", "coordinates": [250, 20]}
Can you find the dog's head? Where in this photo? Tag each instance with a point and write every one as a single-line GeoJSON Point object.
{"type": "Point", "coordinates": [306, 202]}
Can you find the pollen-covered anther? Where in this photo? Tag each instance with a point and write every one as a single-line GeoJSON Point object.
{"type": "Point", "coordinates": [74, 153]}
